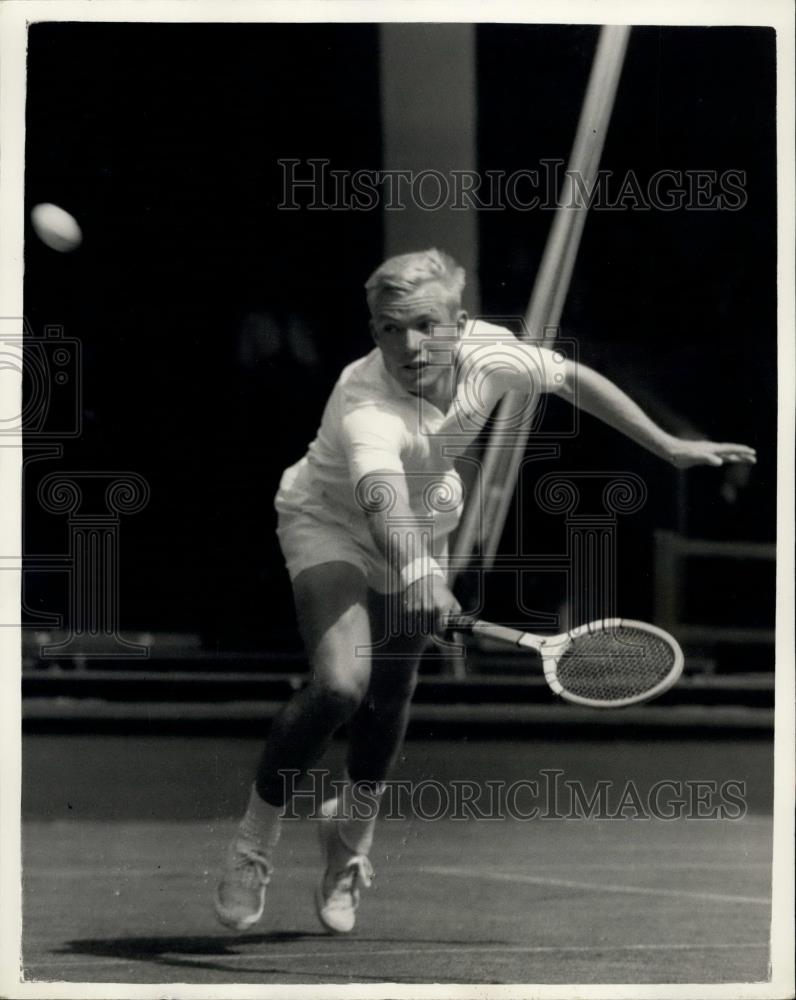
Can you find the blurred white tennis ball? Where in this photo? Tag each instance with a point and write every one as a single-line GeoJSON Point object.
{"type": "Point", "coordinates": [55, 227]}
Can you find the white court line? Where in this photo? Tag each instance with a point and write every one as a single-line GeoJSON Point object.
{"type": "Point", "coordinates": [622, 866]}
{"type": "Point", "coordinates": [80, 873]}
{"type": "Point", "coordinates": [56, 873]}
{"type": "Point", "coordinates": [597, 886]}
{"type": "Point", "coordinates": [344, 952]}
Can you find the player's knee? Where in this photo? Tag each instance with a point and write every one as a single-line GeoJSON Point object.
{"type": "Point", "coordinates": [339, 696]}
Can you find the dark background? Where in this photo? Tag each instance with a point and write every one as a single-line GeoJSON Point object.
{"type": "Point", "coordinates": [163, 139]}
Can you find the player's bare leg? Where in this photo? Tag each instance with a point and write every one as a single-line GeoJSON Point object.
{"type": "Point", "coordinates": [376, 737]}
{"type": "Point", "coordinates": [379, 725]}
{"type": "Point", "coordinates": [331, 606]}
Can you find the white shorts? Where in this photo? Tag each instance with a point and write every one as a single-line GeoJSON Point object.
{"type": "Point", "coordinates": [308, 541]}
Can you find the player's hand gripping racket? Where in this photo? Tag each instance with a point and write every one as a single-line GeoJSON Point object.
{"type": "Point", "coordinates": [606, 664]}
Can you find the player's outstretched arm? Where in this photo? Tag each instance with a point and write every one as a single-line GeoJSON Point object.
{"type": "Point", "coordinates": [597, 395]}
{"type": "Point", "coordinates": [684, 454]}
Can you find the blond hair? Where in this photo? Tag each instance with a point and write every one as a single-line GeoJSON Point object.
{"type": "Point", "coordinates": [408, 271]}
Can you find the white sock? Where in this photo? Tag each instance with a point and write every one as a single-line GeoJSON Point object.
{"type": "Point", "coordinates": [262, 823]}
{"type": "Point", "coordinates": [357, 809]}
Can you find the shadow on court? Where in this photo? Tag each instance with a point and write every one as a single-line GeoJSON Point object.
{"type": "Point", "coordinates": [178, 952]}
{"type": "Point", "coordinates": [145, 948]}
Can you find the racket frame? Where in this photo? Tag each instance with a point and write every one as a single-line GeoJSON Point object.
{"type": "Point", "coordinates": [551, 649]}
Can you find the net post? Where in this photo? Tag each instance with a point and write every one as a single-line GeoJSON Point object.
{"type": "Point", "coordinates": [501, 463]}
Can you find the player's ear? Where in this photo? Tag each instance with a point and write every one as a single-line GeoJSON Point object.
{"type": "Point", "coordinates": [461, 319]}
{"type": "Point", "coordinates": [372, 328]}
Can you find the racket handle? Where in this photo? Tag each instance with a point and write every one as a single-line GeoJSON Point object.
{"type": "Point", "coordinates": [474, 626]}
{"type": "Point", "coordinates": [461, 623]}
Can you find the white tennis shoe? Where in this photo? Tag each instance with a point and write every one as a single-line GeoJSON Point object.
{"type": "Point", "coordinates": [337, 897]}
{"type": "Point", "coordinates": [240, 896]}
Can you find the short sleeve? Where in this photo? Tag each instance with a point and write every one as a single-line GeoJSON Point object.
{"type": "Point", "coordinates": [373, 439]}
{"type": "Point", "coordinates": [493, 361]}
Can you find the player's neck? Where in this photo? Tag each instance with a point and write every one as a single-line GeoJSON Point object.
{"type": "Point", "coordinates": [440, 395]}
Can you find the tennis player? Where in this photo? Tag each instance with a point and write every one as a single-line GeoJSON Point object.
{"type": "Point", "coordinates": [364, 520]}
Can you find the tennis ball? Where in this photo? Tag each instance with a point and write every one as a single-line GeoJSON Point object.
{"type": "Point", "coordinates": [55, 227]}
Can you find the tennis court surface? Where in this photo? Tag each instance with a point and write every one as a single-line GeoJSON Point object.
{"type": "Point", "coordinates": [123, 837]}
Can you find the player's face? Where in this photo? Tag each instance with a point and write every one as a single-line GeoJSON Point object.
{"type": "Point", "coordinates": [402, 325]}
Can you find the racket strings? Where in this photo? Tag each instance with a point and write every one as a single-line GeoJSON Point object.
{"type": "Point", "coordinates": [623, 662]}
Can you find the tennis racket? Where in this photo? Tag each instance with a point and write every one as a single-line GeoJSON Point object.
{"type": "Point", "coordinates": [606, 664]}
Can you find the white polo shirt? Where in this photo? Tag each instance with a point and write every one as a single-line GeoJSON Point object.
{"type": "Point", "coordinates": [371, 424]}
